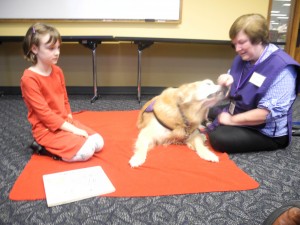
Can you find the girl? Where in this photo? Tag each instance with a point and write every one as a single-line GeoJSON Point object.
{"type": "Point", "coordinates": [44, 92]}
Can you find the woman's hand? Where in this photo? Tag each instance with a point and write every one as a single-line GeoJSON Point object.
{"type": "Point", "coordinates": [225, 118]}
{"type": "Point", "coordinates": [250, 118]}
{"type": "Point", "coordinates": [225, 80]}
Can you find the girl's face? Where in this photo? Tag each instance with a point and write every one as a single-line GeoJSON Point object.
{"type": "Point", "coordinates": [46, 53]}
{"type": "Point", "coordinates": [247, 50]}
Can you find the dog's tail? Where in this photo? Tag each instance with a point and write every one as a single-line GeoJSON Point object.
{"type": "Point", "coordinates": [147, 108]}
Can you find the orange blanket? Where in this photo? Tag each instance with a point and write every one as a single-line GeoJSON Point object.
{"type": "Point", "coordinates": [167, 170]}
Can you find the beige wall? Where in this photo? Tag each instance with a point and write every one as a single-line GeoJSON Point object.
{"type": "Point", "coordinates": [163, 64]}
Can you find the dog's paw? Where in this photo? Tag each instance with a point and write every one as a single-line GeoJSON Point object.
{"type": "Point", "coordinates": [208, 156]}
{"type": "Point", "coordinates": [137, 160]}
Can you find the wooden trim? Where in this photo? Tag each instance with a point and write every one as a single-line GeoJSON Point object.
{"type": "Point", "coordinates": [293, 27]}
{"type": "Point", "coordinates": [269, 11]}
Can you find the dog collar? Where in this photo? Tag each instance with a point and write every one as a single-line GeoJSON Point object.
{"type": "Point", "coordinates": [150, 109]}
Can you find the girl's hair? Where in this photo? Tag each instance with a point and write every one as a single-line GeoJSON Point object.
{"type": "Point", "coordinates": [255, 26]}
{"type": "Point", "coordinates": [32, 37]}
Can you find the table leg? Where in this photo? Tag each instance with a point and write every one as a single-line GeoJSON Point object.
{"type": "Point", "coordinates": [91, 44]}
{"type": "Point", "coordinates": [141, 46]}
{"type": "Point", "coordinates": [95, 84]}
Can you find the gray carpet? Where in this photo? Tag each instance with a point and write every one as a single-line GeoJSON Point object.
{"type": "Point", "coordinates": [278, 173]}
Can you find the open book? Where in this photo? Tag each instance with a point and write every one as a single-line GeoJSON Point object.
{"type": "Point", "coordinates": [75, 185]}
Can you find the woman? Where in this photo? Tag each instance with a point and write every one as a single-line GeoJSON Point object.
{"type": "Point", "coordinates": [263, 82]}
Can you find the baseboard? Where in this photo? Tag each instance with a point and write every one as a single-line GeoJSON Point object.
{"type": "Point", "coordinates": [77, 90]}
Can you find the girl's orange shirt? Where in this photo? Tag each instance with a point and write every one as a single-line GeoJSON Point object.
{"type": "Point", "coordinates": [46, 100]}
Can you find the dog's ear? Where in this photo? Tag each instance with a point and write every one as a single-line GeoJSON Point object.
{"type": "Point", "coordinates": [185, 93]}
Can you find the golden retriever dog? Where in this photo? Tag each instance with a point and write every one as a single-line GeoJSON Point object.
{"type": "Point", "coordinates": [174, 116]}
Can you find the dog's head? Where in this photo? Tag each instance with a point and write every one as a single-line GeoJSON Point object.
{"type": "Point", "coordinates": [203, 91]}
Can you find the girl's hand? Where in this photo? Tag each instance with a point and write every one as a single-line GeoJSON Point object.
{"type": "Point", "coordinates": [80, 132]}
{"type": "Point", "coordinates": [66, 126]}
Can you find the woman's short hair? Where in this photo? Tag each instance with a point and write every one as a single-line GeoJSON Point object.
{"type": "Point", "coordinates": [255, 26]}
{"type": "Point", "coordinates": [32, 37]}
